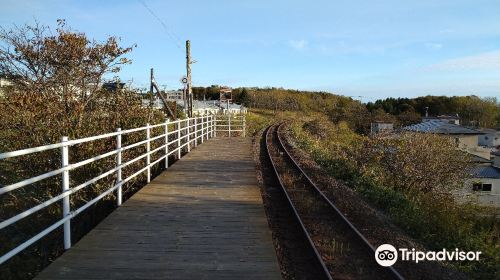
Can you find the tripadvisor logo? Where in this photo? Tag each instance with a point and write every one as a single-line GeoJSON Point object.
{"type": "Point", "coordinates": [387, 255]}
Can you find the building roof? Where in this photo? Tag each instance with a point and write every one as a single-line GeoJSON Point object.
{"type": "Point", "coordinates": [442, 117]}
{"type": "Point", "coordinates": [441, 127]}
{"type": "Point", "coordinates": [210, 104]}
{"type": "Point", "coordinates": [486, 172]}
{"type": "Point", "coordinates": [489, 131]}
{"type": "Point", "coordinates": [478, 159]}
{"type": "Point", "coordinates": [112, 86]}
{"type": "Point", "coordinates": [198, 104]}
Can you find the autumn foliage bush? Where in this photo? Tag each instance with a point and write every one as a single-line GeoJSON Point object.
{"type": "Point", "coordinates": [57, 92]}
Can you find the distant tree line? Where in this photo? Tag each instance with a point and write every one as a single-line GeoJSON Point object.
{"type": "Point", "coordinates": [337, 107]}
{"type": "Point", "coordinates": [472, 110]}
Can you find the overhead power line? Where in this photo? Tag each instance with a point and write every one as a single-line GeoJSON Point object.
{"type": "Point", "coordinates": [171, 34]}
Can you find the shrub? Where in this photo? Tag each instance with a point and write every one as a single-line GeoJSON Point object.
{"type": "Point", "coordinates": [57, 92]}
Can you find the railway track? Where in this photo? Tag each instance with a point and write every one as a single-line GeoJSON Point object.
{"type": "Point", "coordinates": [339, 249]}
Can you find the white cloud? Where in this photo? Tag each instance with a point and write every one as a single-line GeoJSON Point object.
{"type": "Point", "coordinates": [298, 44]}
{"type": "Point", "coordinates": [482, 61]}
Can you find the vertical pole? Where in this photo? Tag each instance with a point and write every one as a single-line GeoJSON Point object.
{"type": "Point", "coordinates": [65, 188]}
{"type": "Point", "coordinates": [244, 126]}
{"type": "Point", "coordinates": [229, 124]}
{"type": "Point", "coordinates": [188, 75]}
{"type": "Point", "coordinates": [148, 149]}
{"type": "Point", "coordinates": [210, 120]}
{"type": "Point", "coordinates": [184, 97]}
{"type": "Point", "coordinates": [207, 126]}
{"type": "Point", "coordinates": [151, 78]}
{"type": "Point", "coordinates": [195, 131]}
{"type": "Point", "coordinates": [118, 166]}
{"type": "Point", "coordinates": [215, 126]}
{"type": "Point", "coordinates": [178, 139]}
{"type": "Point", "coordinates": [202, 128]}
{"type": "Point", "coordinates": [166, 143]}
{"type": "Point", "coordinates": [188, 124]}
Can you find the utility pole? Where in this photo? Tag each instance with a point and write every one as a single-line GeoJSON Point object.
{"type": "Point", "coordinates": [151, 86]}
{"type": "Point", "coordinates": [188, 75]}
{"type": "Point", "coordinates": [151, 80]}
{"type": "Point", "coordinates": [154, 86]}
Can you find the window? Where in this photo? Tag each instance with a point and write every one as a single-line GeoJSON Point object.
{"type": "Point", "coordinates": [486, 188]}
{"type": "Point", "coordinates": [481, 187]}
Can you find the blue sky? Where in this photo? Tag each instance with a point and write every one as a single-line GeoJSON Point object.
{"type": "Point", "coordinates": [373, 49]}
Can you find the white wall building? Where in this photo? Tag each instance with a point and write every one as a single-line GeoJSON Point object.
{"type": "Point", "coordinates": [466, 138]}
{"type": "Point", "coordinates": [490, 138]}
{"type": "Point", "coordinates": [484, 186]}
{"type": "Point", "coordinates": [378, 127]}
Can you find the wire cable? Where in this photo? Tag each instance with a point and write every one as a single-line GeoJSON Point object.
{"type": "Point", "coordinates": [171, 34]}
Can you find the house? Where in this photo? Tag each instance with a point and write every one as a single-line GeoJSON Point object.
{"type": "Point", "coordinates": [484, 186]}
{"type": "Point", "coordinates": [174, 95]}
{"type": "Point", "coordinates": [467, 139]}
{"type": "Point", "coordinates": [378, 127]}
{"type": "Point", "coordinates": [453, 119]}
{"type": "Point", "coordinates": [213, 107]}
{"type": "Point", "coordinates": [496, 159]}
{"type": "Point", "coordinates": [203, 108]}
{"type": "Point", "coordinates": [233, 108]}
{"type": "Point", "coordinates": [113, 86]}
{"type": "Point", "coordinates": [490, 138]}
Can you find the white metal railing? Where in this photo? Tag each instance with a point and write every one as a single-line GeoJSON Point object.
{"type": "Point", "coordinates": [187, 133]}
{"type": "Point", "coordinates": [231, 125]}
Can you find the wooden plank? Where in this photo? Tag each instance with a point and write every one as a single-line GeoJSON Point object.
{"type": "Point", "coordinates": [201, 219]}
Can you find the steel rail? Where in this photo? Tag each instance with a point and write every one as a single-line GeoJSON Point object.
{"type": "Point", "coordinates": [358, 234]}
{"type": "Point", "coordinates": [297, 216]}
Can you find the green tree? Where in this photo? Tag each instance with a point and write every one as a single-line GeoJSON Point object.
{"type": "Point", "coordinates": [244, 98]}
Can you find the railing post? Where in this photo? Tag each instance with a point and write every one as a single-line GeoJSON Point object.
{"type": "Point", "coordinates": [195, 131]}
{"type": "Point", "coordinates": [178, 139]}
{"type": "Point", "coordinates": [148, 148]}
{"type": "Point", "coordinates": [244, 126]}
{"type": "Point", "coordinates": [215, 126]}
{"type": "Point", "coordinates": [212, 126]}
{"type": "Point", "coordinates": [229, 125]}
{"type": "Point", "coordinates": [202, 129]}
{"type": "Point", "coordinates": [207, 126]}
{"type": "Point", "coordinates": [166, 143]}
{"type": "Point", "coordinates": [118, 166]}
{"type": "Point", "coordinates": [66, 199]}
{"type": "Point", "coordinates": [188, 124]}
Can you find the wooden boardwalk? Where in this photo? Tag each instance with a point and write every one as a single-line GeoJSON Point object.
{"type": "Point", "coordinates": [201, 219]}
